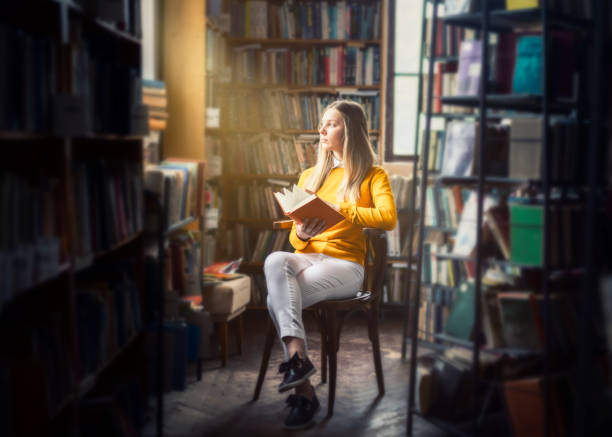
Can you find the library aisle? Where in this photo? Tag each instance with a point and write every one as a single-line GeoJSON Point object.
{"type": "Point", "coordinates": [220, 404]}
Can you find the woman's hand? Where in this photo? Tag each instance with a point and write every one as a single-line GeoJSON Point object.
{"type": "Point", "coordinates": [309, 228]}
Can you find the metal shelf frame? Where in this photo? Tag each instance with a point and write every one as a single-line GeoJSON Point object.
{"type": "Point", "coordinates": [486, 22]}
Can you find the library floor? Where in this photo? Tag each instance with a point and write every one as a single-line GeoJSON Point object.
{"type": "Point", "coordinates": [220, 404]}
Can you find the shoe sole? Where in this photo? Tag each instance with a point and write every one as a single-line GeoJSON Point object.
{"type": "Point", "coordinates": [294, 384]}
{"type": "Point", "coordinates": [303, 426]}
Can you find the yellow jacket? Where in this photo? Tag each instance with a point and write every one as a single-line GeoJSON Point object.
{"type": "Point", "coordinates": [374, 209]}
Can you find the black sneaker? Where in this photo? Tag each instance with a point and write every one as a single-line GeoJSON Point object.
{"type": "Point", "coordinates": [296, 372]}
{"type": "Point", "coordinates": [302, 411]}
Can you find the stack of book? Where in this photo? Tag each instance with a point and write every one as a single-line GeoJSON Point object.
{"type": "Point", "coordinates": [154, 96]}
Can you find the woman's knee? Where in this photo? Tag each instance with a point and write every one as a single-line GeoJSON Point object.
{"type": "Point", "coordinates": [275, 262]}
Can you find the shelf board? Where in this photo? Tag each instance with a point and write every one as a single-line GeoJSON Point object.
{"type": "Point", "coordinates": [300, 42]}
{"type": "Point", "coordinates": [441, 229]}
{"type": "Point", "coordinates": [243, 177]}
{"type": "Point", "coordinates": [452, 256]}
{"type": "Point", "coordinates": [517, 102]}
{"type": "Point", "coordinates": [312, 88]}
{"type": "Point", "coordinates": [449, 58]}
{"type": "Point", "coordinates": [61, 270]}
{"type": "Point", "coordinates": [40, 136]}
{"type": "Point", "coordinates": [256, 222]}
{"type": "Point", "coordinates": [285, 132]}
{"type": "Point", "coordinates": [77, 9]}
{"type": "Point", "coordinates": [84, 262]}
{"type": "Point", "coordinates": [501, 351]}
{"type": "Point", "coordinates": [89, 382]}
{"type": "Point", "coordinates": [473, 180]}
{"type": "Point", "coordinates": [504, 20]}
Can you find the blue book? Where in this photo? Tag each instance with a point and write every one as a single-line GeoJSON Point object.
{"type": "Point", "coordinates": [528, 67]}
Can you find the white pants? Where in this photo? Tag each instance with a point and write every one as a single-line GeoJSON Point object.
{"type": "Point", "coordinates": [297, 280]}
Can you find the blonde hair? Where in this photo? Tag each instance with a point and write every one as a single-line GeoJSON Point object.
{"type": "Point", "coordinates": [358, 155]}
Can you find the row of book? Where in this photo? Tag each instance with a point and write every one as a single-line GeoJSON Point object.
{"type": "Point", "coordinates": [28, 79]}
{"type": "Point", "coordinates": [32, 232]}
{"type": "Point", "coordinates": [39, 380]}
{"type": "Point", "coordinates": [274, 109]}
{"type": "Point", "coordinates": [511, 318]}
{"type": "Point", "coordinates": [268, 241]}
{"type": "Point", "coordinates": [254, 245]}
{"type": "Point", "coordinates": [448, 38]}
{"type": "Point", "coordinates": [257, 201]}
{"type": "Point", "coordinates": [307, 19]}
{"type": "Point", "coordinates": [109, 314]}
{"type": "Point", "coordinates": [342, 65]}
{"type": "Point", "coordinates": [444, 206]}
{"type": "Point", "coordinates": [108, 204]}
{"type": "Point", "coordinates": [510, 53]}
{"type": "Point", "coordinates": [267, 154]}
{"type": "Point", "coordinates": [183, 263]}
{"type": "Point", "coordinates": [513, 149]}
{"type": "Point", "coordinates": [181, 181]}
{"type": "Point", "coordinates": [155, 97]}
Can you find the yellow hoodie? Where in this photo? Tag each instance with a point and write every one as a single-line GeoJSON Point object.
{"type": "Point", "coordinates": [374, 209]}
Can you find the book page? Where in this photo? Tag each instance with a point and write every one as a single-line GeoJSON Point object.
{"type": "Point", "coordinates": [292, 197]}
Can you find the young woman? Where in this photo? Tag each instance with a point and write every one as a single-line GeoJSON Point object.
{"type": "Point", "coordinates": [326, 264]}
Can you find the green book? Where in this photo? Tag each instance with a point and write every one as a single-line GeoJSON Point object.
{"type": "Point", "coordinates": [460, 321]}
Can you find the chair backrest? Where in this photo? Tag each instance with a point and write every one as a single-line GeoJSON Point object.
{"type": "Point", "coordinates": [375, 262]}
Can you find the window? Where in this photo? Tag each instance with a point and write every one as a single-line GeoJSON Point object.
{"type": "Point", "coordinates": [405, 23]}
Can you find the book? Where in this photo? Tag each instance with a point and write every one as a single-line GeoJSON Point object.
{"type": "Point", "coordinates": [459, 148]}
{"type": "Point", "coordinates": [460, 321]}
{"type": "Point", "coordinates": [468, 80]}
{"type": "Point", "coordinates": [298, 204]}
{"type": "Point", "coordinates": [498, 220]}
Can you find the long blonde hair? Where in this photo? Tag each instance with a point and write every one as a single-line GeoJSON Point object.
{"type": "Point", "coordinates": [358, 155]}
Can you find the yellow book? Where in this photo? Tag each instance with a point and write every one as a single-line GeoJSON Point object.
{"type": "Point", "coordinates": [521, 4]}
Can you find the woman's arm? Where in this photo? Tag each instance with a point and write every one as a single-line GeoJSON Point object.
{"type": "Point", "coordinates": [383, 215]}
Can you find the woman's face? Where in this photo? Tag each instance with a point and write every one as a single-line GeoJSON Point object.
{"type": "Point", "coordinates": [331, 132]}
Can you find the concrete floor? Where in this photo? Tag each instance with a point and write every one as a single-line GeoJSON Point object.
{"type": "Point", "coordinates": [220, 404]}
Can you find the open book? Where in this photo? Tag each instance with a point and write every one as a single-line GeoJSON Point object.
{"type": "Point", "coordinates": [299, 204]}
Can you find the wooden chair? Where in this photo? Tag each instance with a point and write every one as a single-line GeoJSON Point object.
{"type": "Point", "coordinates": [367, 299]}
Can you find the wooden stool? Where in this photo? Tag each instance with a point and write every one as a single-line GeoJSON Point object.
{"type": "Point", "coordinates": [221, 324]}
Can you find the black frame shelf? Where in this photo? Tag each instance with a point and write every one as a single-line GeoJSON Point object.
{"type": "Point", "coordinates": [537, 106]}
{"type": "Point", "coordinates": [504, 20]}
{"type": "Point", "coordinates": [517, 102]}
{"type": "Point", "coordinates": [470, 344]}
{"type": "Point", "coordinates": [496, 181]}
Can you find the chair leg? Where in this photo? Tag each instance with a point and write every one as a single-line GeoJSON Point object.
{"type": "Point", "coordinates": [271, 334]}
{"type": "Point", "coordinates": [240, 332]}
{"type": "Point", "coordinates": [375, 340]}
{"type": "Point", "coordinates": [223, 342]}
{"type": "Point", "coordinates": [323, 332]}
{"type": "Point", "coordinates": [332, 351]}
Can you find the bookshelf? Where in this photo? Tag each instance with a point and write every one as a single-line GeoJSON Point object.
{"type": "Point", "coordinates": [73, 302]}
{"type": "Point", "coordinates": [272, 66]}
{"type": "Point", "coordinates": [556, 277]}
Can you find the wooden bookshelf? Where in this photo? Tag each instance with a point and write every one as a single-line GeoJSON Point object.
{"type": "Point", "coordinates": [72, 211]}
{"type": "Point", "coordinates": [225, 84]}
